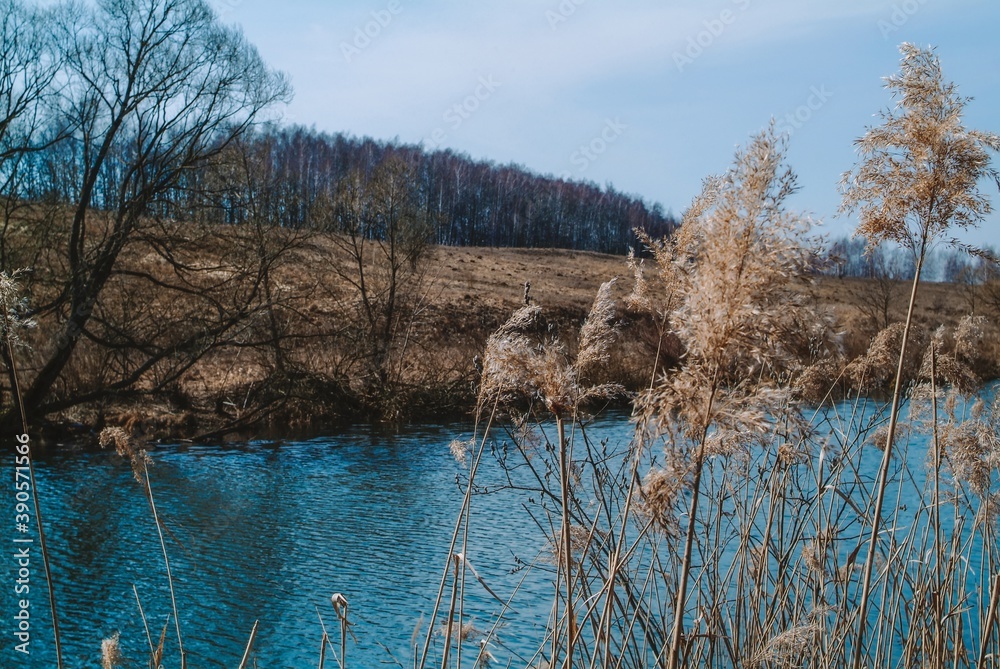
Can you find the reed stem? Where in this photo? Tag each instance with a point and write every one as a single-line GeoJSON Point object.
{"type": "Point", "coordinates": [882, 481]}
{"type": "Point", "coordinates": [15, 380]}
{"type": "Point", "coordinates": [166, 562]}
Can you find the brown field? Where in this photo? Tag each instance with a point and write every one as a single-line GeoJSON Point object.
{"type": "Point", "coordinates": [566, 281]}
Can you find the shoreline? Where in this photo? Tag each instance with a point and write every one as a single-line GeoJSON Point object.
{"type": "Point", "coordinates": [312, 376]}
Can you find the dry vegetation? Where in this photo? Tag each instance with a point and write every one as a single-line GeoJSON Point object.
{"type": "Point", "coordinates": [742, 526]}
{"type": "Point", "coordinates": [849, 300]}
{"type": "Point", "coordinates": [464, 295]}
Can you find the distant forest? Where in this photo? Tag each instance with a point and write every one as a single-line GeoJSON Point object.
{"type": "Point", "coordinates": [855, 257]}
{"type": "Point", "coordinates": [295, 177]}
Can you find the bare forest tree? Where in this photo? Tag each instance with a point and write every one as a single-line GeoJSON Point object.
{"type": "Point", "coordinates": [157, 211]}
{"type": "Point", "coordinates": [245, 182]}
{"type": "Point", "coordinates": [471, 202]}
{"type": "Point", "coordinates": [878, 297]}
{"type": "Point", "coordinates": [150, 90]}
{"type": "Point", "coordinates": [380, 227]}
{"type": "Point", "coordinates": [28, 66]}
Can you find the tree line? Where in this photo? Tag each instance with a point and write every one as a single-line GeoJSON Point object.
{"type": "Point", "coordinates": [855, 257]}
{"type": "Point", "coordinates": [461, 201]}
{"type": "Point", "coordinates": [887, 269]}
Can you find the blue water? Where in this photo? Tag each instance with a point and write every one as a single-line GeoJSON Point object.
{"type": "Point", "coordinates": [268, 532]}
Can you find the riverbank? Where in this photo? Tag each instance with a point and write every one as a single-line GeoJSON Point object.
{"type": "Point", "coordinates": [298, 362]}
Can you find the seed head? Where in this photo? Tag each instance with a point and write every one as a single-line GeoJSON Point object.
{"type": "Point", "coordinates": [12, 306]}
{"type": "Point", "coordinates": [339, 605]}
{"type": "Point", "coordinates": [972, 454]}
{"type": "Point", "coordinates": [787, 648]}
{"type": "Point", "coordinates": [460, 450]}
{"type": "Point", "coordinates": [126, 448]}
{"type": "Point", "coordinates": [660, 492]}
{"type": "Point", "coordinates": [111, 652]}
{"type": "Point", "coordinates": [598, 331]}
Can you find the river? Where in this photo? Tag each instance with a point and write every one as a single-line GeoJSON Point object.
{"type": "Point", "coordinates": [267, 531]}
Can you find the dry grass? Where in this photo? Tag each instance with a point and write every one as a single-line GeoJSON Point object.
{"type": "Point", "coordinates": [466, 294]}
{"type": "Point", "coordinates": [937, 304]}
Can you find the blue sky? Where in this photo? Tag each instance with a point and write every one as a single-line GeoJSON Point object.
{"type": "Point", "coordinates": [648, 96]}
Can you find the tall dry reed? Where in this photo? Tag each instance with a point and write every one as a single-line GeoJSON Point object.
{"type": "Point", "coordinates": [524, 366]}
{"type": "Point", "coordinates": [917, 179]}
{"type": "Point", "coordinates": [731, 270]}
{"type": "Point", "coordinates": [139, 460]}
{"type": "Point", "coordinates": [12, 322]}
{"type": "Point", "coordinates": [746, 540]}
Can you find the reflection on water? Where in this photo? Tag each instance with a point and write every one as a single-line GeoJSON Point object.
{"type": "Point", "coordinates": [268, 532]}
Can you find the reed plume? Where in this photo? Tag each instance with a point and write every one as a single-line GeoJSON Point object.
{"type": "Point", "coordinates": [524, 366]}
{"type": "Point", "coordinates": [787, 649]}
{"type": "Point", "coordinates": [139, 460]}
{"type": "Point", "coordinates": [522, 363]}
{"type": "Point", "coordinates": [12, 322]}
{"type": "Point", "coordinates": [728, 282]}
{"type": "Point", "coordinates": [111, 652]}
{"type": "Point", "coordinates": [126, 448]}
{"type": "Point", "coordinates": [13, 306]}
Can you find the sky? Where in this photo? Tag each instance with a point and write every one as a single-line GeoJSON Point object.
{"type": "Point", "coordinates": [648, 96]}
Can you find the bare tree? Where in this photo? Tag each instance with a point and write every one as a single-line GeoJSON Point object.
{"type": "Point", "coordinates": [385, 236]}
{"type": "Point", "coordinates": [878, 296]}
{"type": "Point", "coordinates": [153, 89]}
{"type": "Point", "coordinates": [247, 184]}
{"type": "Point", "coordinates": [29, 63]}
{"type": "Point", "coordinates": [28, 66]}
{"type": "Point", "coordinates": [989, 288]}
